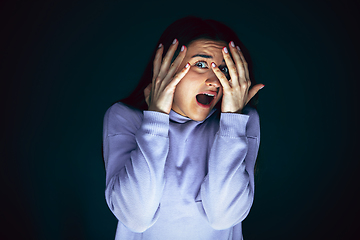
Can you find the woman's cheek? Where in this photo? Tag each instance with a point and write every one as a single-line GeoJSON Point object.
{"type": "Point", "coordinates": [194, 76]}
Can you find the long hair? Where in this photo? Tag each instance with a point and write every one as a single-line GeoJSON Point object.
{"type": "Point", "coordinates": [186, 30]}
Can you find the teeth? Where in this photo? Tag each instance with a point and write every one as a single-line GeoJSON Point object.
{"type": "Point", "coordinates": [210, 95]}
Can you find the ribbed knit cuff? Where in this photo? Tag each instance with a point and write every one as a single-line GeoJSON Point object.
{"type": "Point", "coordinates": [233, 124]}
{"type": "Point", "coordinates": [156, 123]}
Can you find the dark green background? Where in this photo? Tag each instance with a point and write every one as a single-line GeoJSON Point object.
{"type": "Point", "coordinates": [65, 62]}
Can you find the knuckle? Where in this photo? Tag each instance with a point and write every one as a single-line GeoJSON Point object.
{"type": "Point", "coordinates": [176, 76]}
{"type": "Point", "coordinates": [228, 57]}
{"type": "Point", "coordinates": [157, 79]}
{"type": "Point", "coordinates": [236, 88]}
{"type": "Point", "coordinates": [243, 85]}
{"type": "Point", "coordinates": [165, 61]}
{"type": "Point", "coordinates": [217, 70]}
{"type": "Point", "coordinates": [233, 69]}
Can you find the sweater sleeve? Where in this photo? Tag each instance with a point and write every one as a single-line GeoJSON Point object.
{"type": "Point", "coordinates": [135, 150]}
{"type": "Point", "coordinates": [227, 192]}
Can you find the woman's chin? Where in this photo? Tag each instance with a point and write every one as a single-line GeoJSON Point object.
{"type": "Point", "coordinates": [197, 111]}
{"type": "Point", "coordinates": [200, 115]}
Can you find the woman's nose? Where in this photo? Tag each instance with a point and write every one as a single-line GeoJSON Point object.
{"type": "Point", "coordinates": [212, 80]}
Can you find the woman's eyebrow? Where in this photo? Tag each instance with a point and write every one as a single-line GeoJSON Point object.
{"type": "Point", "coordinates": [202, 55]}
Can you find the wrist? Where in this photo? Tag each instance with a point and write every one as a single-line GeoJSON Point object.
{"type": "Point", "coordinates": [155, 109]}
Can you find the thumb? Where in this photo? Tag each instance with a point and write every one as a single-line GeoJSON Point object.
{"type": "Point", "coordinates": [254, 90]}
{"type": "Point", "coordinates": [147, 91]}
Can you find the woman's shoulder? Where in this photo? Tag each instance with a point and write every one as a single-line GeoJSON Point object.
{"type": "Point", "coordinates": [123, 110]}
{"type": "Point", "coordinates": [120, 116]}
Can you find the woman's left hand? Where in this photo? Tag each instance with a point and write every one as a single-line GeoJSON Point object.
{"type": "Point", "coordinates": [236, 93]}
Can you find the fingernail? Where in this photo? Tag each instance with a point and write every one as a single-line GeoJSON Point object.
{"type": "Point", "coordinates": [238, 48]}
{"type": "Point", "coordinates": [174, 41]}
{"type": "Point", "coordinates": [225, 50]}
{"type": "Point", "coordinates": [232, 44]}
{"type": "Point", "coordinates": [182, 48]}
{"type": "Point", "coordinates": [187, 65]}
{"type": "Point", "coordinates": [160, 45]}
{"type": "Point", "coordinates": [262, 86]}
{"type": "Point", "coordinates": [213, 64]}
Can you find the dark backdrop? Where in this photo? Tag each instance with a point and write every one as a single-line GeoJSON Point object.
{"type": "Point", "coordinates": [63, 63]}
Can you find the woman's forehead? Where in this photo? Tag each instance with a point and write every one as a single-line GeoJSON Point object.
{"type": "Point", "coordinates": [209, 46]}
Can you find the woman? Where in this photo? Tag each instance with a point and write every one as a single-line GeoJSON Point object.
{"type": "Point", "coordinates": [180, 150]}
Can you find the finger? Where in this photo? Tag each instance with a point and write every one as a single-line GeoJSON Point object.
{"type": "Point", "coordinates": [177, 78]}
{"type": "Point", "coordinates": [245, 64]}
{"type": "Point", "coordinates": [231, 67]}
{"type": "Point", "coordinates": [175, 65]}
{"type": "Point", "coordinates": [221, 76]}
{"type": "Point", "coordinates": [255, 89]}
{"type": "Point", "coordinates": [167, 59]}
{"type": "Point", "coordinates": [157, 61]}
{"type": "Point", "coordinates": [239, 62]}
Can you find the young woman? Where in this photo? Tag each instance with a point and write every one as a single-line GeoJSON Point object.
{"type": "Point", "coordinates": [180, 150]}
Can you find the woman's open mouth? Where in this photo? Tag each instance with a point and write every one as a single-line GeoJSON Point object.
{"type": "Point", "coordinates": [205, 99]}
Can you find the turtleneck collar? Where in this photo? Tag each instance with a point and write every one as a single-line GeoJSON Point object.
{"type": "Point", "coordinates": [175, 117]}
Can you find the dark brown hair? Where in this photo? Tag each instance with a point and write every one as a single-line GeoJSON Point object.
{"type": "Point", "coordinates": [186, 30]}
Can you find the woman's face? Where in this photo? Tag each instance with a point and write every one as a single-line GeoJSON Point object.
{"type": "Point", "coordinates": [199, 90]}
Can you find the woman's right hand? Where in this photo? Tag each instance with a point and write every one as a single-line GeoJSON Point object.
{"type": "Point", "coordinates": [160, 93]}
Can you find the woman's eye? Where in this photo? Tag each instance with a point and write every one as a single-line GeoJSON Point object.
{"type": "Point", "coordinates": [225, 70]}
{"type": "Point", "coordinates": [201, 64]}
